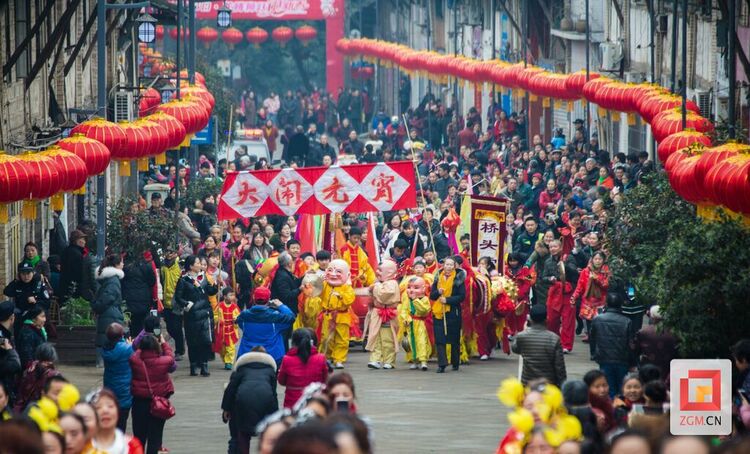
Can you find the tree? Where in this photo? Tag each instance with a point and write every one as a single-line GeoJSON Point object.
{"type": "Point", "coordinates": [697, 271]}
{"type": "Point", "coordinates": [133, 231]}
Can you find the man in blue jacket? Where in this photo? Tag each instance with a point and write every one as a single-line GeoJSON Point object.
{"type": "Point", "coordinates": [264, 324]}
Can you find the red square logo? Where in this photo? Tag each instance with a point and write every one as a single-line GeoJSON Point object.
{"type": "Point", "coordinates": [701, 391]}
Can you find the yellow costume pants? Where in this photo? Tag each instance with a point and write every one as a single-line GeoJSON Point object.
{"type": "Point", "coordinates": [339, 348]}
{"type": "Point", "coordinates": [420, 343]}
{"type": "Point", "coordinates": [385, 349]}
{"type": "Point", "coordinates": [227, 354]}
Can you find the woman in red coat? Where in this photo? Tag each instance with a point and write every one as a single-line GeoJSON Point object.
{"type": "Point", "coordinates": [593, 283]}
{"type": "Point", "coordinates": [155, 358]}
{"type": "Point", "coordinates": [301, 366]}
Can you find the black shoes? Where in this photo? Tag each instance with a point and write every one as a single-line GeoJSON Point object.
{"type": "Point", "coordinates": [440, 370]}
{"type": "Point", "coordinates": [455, 368]}
{"type": "Point", "coordinates": [204, 370]}
{"type": "Point", "coordinates": [193, 372]}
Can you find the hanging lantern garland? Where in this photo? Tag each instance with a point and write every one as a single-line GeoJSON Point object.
{"type": "Point", "coordinates": [15, 182]}
{"type": "Point", "coordinates": [305, 34]}
{"type": "Point", "coordinates": [256, 36]}
{"type": "Point", "coordinates": [45, 184]}
{"type": "Point", "coordinates": [73, 174]}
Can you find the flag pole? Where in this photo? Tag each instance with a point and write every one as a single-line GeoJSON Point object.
{"type": "Point", "coordinates": [419, 181]}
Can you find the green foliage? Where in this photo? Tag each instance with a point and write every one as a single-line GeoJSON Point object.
{"type": "Point", "coordinates": [644, 221]}
{"type": "Point", "coordinates": [702, 281]}
{"type": "Point", "coordinates": [697, 271]}
{"type": "Point", "coordinates": [77, 312]}
{"type": "Point", "coordinates": [132, 231]}
{"type": "Point", "coordinates": [198, 188]}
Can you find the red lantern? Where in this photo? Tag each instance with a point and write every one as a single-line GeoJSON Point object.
{"type": "Point", "coordinates": [342, 45]}
{"type": "Point", "coordinates": [157, 137]}
{"type": "Point", "coordinates": [138, 141]}
{"type": "Point", "coordinates": [282, 35]}
{"type": "Point", "coordinates": [232, 37]}
{"type": "Point", "coordinates": [45, 181]}
{"type": "Point", "coordinates": [677, 157]}
{"type": "Point", "coordinates": [256, 36]}
{"type": "Point", "coordinates": [670, 122]}
{"type": "Point", "coordinates": [186, 112]}
{"type": "Point", "coordinates": [712, 157]}
{"type": "Point", "coordinates": [198, 92]}
{"type": "Point", "coordinates": [207, 35]}
{"type": "Point", "coordinates": [159, 32]}
{"type": "Point", "coordinates": [577, 80]}
{"type": "Point", "coordinates": [15, 180]}
{"type": "Point", "coordinates": [94, 154]}
{"type": "Point", "coordinates": [72, 169]}
{"type": "Point", "coordinates": [106, 132]}
{"type": "Point", "coordinates": [682, 180]}
{"type": "Point", "coordinates": [305, 34]}
{"type": "Point", "coordinates": [150, 99]}
{"type": "Point", "coordinates": [657, 104]}
{"type": "Point", "coordinates": [727, 183]}
{"type": "Point", "coordinates": [591, 88]}
{"type": "Point", "coordinates": [679, 141]}
{"type": "Point", "coordinates": [184, 33]}
{"type": "Point", "coordinates": [525, 76]}
{"type": "Point", "coordinates": [174, 128]}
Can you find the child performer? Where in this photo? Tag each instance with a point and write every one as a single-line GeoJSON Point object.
{"type": "Point", "coordinates": [226, 330]}
{"type": "Point", "coordinates": [416, 316]}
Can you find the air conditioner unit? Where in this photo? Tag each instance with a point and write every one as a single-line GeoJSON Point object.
{"type": "Point", "coordinates": [611, 56]}
{"type": "Point", "coordinates": [703, 99]}
{"type": "Point", "coordinates": [123, 106]}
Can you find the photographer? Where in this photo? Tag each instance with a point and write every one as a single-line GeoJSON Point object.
{"type": "Point", "coordinates": [264, 325]}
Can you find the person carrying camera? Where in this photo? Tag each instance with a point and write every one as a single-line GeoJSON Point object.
{"type": "Point", "coordinates": [264, 324]}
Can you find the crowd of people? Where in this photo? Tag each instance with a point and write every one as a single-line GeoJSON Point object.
{"type": "Point", "coordinates": [246, 296]}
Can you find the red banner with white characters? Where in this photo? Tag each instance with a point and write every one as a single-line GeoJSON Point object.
{"type": "Point", "coordinates": [488, 229]}
{"type": "Point", "coordinates": [357, 188]}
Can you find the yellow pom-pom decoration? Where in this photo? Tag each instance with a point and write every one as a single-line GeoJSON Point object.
{"type": "Point", "coordinates": [521, 419]}
{"type": "Point", "coordinates": [552, 397]}
{"type": "Point", "coordinates": [553, 437]}
{"type": "Point", "coordinates": [48, 408]}
{"type": "Point", "coordinates": [544, 411]}
{"type": "Point", "coordinates": [511, 392]}
{"type": "Point", "coordinates": [38, 416]}
{"type": "Point", "coordinates": [569, 427]}
{"type": "Point", "coordinates": [68, 397]}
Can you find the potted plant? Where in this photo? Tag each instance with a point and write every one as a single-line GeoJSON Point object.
{"type": "Point", "coordinates": [76, 332]}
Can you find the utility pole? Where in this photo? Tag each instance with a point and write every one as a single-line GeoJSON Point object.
{"type": "Point", "coordinates": [674, 46]}
{"type": "Point", "coordinates": [684, 62]}
{"type": "Point", "coordinates": [587, 130]}
{"type": "Point", "coordinates": [101, 107]}
{"type": "Point", "coordinates": [732, 69]}
{"type": "Point", "coordinates": [193, 150]}
{"type": "Point", "coordinates": [179, 149]}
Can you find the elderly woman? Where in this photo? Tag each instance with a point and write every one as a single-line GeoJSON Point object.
{"type": "Point", "coordinates": [191, 295]}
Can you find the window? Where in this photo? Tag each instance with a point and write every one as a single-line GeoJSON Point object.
{"type": "Point", "coordinates": [23, 28]}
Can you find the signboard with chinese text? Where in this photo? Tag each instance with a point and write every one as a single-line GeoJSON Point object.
{"type": "Point", "coordinates": [357, 188]}
{"type": "Point", "coordinates": [488, 229]}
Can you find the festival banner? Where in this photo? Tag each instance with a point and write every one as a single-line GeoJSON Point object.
{"type": "Point", "coordinates": [358, 188]}
{"type": "Point", "coordinates": [488, 229]}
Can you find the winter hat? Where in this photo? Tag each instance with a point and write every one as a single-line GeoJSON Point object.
{"type": "Point", "coordinates": [32, 313]}
{"type": "Point", "coordinates": [7, 308]}
{"type": "Point", "coordinates": [261, 294]}
{"type": "Point", "coordinates": [575, 392]}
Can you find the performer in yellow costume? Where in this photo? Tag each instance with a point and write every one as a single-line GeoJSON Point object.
{"type": "Point", "coordinates": [418, 269]}
{"type": "Point", "coordinates": [309, 303]}
{"type": "Point", "coordinates": [334, 319]}
{"type": "Point", "coordinates": [381, 323]}
{"type": "Point", "coordinates": [352, 253]}
{"type": "Point", "coordinates": [416, 319]}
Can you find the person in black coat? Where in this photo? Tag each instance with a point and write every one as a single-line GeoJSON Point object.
{"type": "Point", "coordinates": [191, 295]}
{"type": "Point", "coordinates": [10, 362]}
{"type": "Point", "coordinates": [31, 335]}
{"type": "Point", "coordinates": [299, 147]}
{"type": "Point", "coordinates": [448, 329]}
{"type": "Point", "coordinates": [28, 290]}
{"type": "Point", "coordinates": [108, 302]}
{"type": "Point", "coordinates": [285, 286]}
{"type": "Point", "coordinates": [409, 234]}
{"type": "Point", "coordinates": [250, 395]}
{"type": "Point", "coordinates": [137, 291]}
{"type": "Point", "coordinates": [442, 249]}
{"type": "Point", "coordinates": [75, 269]}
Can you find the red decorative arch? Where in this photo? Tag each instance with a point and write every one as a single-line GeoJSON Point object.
{"type": "Point", "coordinates": [331, 11]}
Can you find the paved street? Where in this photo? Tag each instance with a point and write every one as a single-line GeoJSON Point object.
{"type": "Point", "coordinates": [410, 411]}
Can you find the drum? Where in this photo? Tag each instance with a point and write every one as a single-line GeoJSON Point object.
{"type": "Point", "coordinates": [362, 300]}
